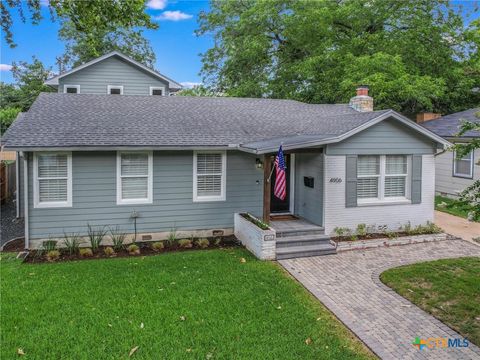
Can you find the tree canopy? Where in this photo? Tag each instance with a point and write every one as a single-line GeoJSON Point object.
{"type": "Point", "coordinates": [416, 55]}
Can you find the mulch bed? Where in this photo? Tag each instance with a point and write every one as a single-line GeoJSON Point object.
{"type": "Point", "coordinates": [15, 245]}
{"type": "Point", "coordinates": [35, 256]}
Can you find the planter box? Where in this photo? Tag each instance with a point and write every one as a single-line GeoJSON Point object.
{"type": "Point", "coordinates": [403, 240]}
{"type": "Point", "coordinates": [261, 243]}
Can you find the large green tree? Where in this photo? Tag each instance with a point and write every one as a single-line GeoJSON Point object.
{"type": "Point", "coordinates": [417, 55]}
{"type": "Point", "coordinates": [82, 46]}
{"type": "Point", "coordinates": [85, 16]}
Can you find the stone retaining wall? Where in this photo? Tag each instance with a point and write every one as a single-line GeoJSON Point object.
{"type": "Point", "coordinates": [374, 243]}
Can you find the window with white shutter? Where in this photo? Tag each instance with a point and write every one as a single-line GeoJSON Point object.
{"type": "Point", "coordinates": [463, 166]}
{"type": "Point", "coordinates": [209, 179]}
{"type": "Point", "coordinates": [52, 176]}
{"type": "Point", "coordinates": [134, 177]}
{"type": "Point", "coordinates": [382, 178]}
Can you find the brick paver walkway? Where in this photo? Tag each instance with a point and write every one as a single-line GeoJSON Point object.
{"type": "Point", "coordinates": [348, 284]}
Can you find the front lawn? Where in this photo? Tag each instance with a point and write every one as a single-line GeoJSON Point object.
{"type": "Point", "coordinates": [453, 206]}
{"type": "Point", "coordinates": [198, 305]}
{"type": "Point", "coordinates": [448, 289]}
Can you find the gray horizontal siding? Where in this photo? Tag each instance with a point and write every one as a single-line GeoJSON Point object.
{"type": "Point", "coordinates": [308, 201]}
{"type": "Point", "coordinates": [94, 196]}
{"type": "Point", "coordinates": [445, 182]}
{"type": "Point", "coordinates": [95, 78]}
{"type": "Point", "coordinates": [387, 137]}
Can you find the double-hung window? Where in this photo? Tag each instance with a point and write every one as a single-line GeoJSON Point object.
{"type": "Point", "coordinates": [463, 167]}
{"type": "Point", "coordinates": [71, 89]}
{"type": "Point", "coordinates": [52, 176]}
{"type": "Point", "coordinates": [134, 177]}
{"type": "Point", "coordinates": [382, 178]}
{"type": "Point", "coordinates": [115, 89]}
{"type": "Point", "coordinates": [209, 176]}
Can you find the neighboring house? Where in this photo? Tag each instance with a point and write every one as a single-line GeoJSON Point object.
{"type": "Point", "coordinates": [454, 175]}
{"type": "Point", "coordinates": [191, 163]}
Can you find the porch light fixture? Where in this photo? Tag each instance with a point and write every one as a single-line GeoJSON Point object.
{"type": "Point", "coordinates": [258, 163]}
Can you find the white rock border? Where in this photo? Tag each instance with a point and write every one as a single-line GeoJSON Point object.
{"type": "Point", "coordinates": [262, 243]}
{"type": "Point", "coordinates": [402, 240]}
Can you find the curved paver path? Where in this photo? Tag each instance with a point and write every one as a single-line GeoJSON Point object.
{"type": "Point", "coordinates": [348, 284]}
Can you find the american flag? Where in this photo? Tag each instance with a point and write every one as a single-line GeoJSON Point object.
{"type": "Point", "coordinates": [280, 190]}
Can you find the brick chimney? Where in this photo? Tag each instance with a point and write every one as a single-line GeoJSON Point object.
{"type": "Point", "coordinates": [362, 102]}
{"type": "Point", "coordinates": [427, 116]}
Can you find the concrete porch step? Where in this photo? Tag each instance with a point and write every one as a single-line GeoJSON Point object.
{"type": "Point", "coordinates": [304, 230]}
{"type": "Point", "coordinates": [305, 251]}
{"type": "Point", "coordinates": [302, 240]}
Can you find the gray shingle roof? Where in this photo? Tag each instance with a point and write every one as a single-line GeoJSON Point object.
{"type": "Point", "coordinates": [81, 120]}
{"type": "Point", "coordinates": [449, 125]}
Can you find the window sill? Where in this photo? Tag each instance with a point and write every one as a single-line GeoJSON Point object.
{"type": "Point", "coordinates": [208, 199]}
{"type": "Point", "coordinates": [135, 202]}
{"type": "Point", "coordinates": [463, 176]}
{"type": "Point", "coordinates": [50, 205]}
{"type": "Point", "coordinates": [384, 202]}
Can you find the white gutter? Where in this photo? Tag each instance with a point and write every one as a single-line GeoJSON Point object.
{"type": "Point", "coordinates": [25, 195]}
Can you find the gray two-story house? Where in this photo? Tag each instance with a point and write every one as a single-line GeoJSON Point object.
{"type": "Point", "coordinates": [111, 148]}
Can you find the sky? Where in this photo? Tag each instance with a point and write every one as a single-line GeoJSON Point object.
{"type": "Point", "coordinates": [176, 46]}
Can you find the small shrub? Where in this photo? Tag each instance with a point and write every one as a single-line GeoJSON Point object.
{"type": "Point", "coordinates": [185, 243]}
{"type": "Point", "coordinates": [53, 255]}
{"type": "Point", "coordinates": [361, 229]}
{"type": "Point", "coordinates": [95, 235]}
{"type": "Point", "coordinates": [428, 228]}
{"type": "Point", "coordinates": [203, 243]}
{"type": "Point", "coordinates": [341, 231]}
{"type": "Point", "coordinates": [217, 240]}
{"type": "Point", "coordinates": [172, 235]}
{"type": "Point", "coordinates": [133, 249]}
{"type": "Point", "coordinates": [49, 245]}
{"type": "Point", "coordinates": [391, 234]}
{"type": "Point", "coordinates": [85, 252]}
{"type": "Point", "coordinates": [256, 221]}
{"type": "Point", "coordinates": [108, 251]}
{"type": "Point", "coordinates": [158, 246]}
{"type": "Point", "coordinates": [118, 238]}
{"type": "Point", "coordinates": [72, 242]}
{"type": "Point", "coordinates": [407, 228]}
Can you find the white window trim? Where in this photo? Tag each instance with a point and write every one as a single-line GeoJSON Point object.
{"type": "Point", "coordinates": [149, 198]}
{"type": "Point", "coordinates": [109, 87]}
{"type": "Point", "coordinates": [36, 189]}
{"type": "Point", "coordinates": [470, 176]}
{"type": "Point", "coordinates": [381, 198]}
{"type": "Point", "coordinates": [222, 196]}
{"type": "Point", "coordinates": [65, 87]}
{"type": "Point", "coordinates": [157, 88]}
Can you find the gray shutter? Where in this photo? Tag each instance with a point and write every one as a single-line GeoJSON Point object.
{"type": "Point", "coordinates": [351, 181]}
{"type": "Point", "coordinates": [416, 189]}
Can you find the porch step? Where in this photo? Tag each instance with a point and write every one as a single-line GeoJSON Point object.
{"type": "Point", "coordinates": [305, 250]}
{"type": "Point", "coordinates": [305, 230]}
{"type": "Point", "coordinates": [303, 240]}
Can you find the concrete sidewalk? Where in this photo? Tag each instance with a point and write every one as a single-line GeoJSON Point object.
{"type": "Point", "coordinates": [457, 226]}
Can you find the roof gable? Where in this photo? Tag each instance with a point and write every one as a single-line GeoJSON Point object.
{"type": "Point", "coordinates": [173, 85]}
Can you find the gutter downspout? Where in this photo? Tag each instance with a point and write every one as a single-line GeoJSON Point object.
{"type": "Point", "coordinates": [25, 190]}
{"type": "Point", "coordinates": [17, 185]}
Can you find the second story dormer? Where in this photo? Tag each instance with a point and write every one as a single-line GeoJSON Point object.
{"type": "Point", "coordinates": [114, 74]}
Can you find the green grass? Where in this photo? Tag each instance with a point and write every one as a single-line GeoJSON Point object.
{"type": "Point", "coordinates": [453, 206]}
{"type": "Point", "coordinates": [94, 310]}
{"type": "Point", "coordinates": [448, 289]}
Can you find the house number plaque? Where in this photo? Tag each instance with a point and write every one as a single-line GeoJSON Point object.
{"type": "Point", "coordinates": [335, 180]}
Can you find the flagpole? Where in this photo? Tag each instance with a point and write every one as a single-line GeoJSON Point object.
{"type": "Point", "coordinates": [271, 172]}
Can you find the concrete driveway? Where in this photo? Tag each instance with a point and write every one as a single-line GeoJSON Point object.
{"type": "Point", "coordinates": [348, 284]}
{"type": "Point", "coordinates": [457, 226]}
